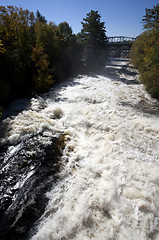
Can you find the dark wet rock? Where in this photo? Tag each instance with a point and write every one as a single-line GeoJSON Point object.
{"type": "Point", "coordinates": [24, 180]}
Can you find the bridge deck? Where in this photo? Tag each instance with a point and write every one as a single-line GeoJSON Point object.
{"type": "Point", "coordinates": [119, 45]}
{"type": "Point", "coordinates": [120, 39]}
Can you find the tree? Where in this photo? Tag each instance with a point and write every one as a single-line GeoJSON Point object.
{"type": "Point", "coordinates": [16, 36]}
{"type": "Point", "coordinates": [2, 50]}
{"type": "Point", "coordinates": [40, 17]}
{"type": "Point", "coordinates": [42, 79]}
{"type": "Point", "coordinates": [65, 31]}
{"type": "Point", "coordinates": [94, 39]}
{"type": "Point", "coordinates": [145, 52]}
{"type": "Point", "coordinates": [151, 18]}
{"type": "Point", "coordinates": [33, 53]}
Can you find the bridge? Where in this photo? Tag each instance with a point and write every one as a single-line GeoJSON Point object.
{"type": "Point", "coordinates": [119, 46]}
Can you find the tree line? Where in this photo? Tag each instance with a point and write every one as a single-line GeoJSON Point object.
{"type": "Point", "coordinates": [34, 54]}
{"type": "Point", "coordinates": [145, 52]}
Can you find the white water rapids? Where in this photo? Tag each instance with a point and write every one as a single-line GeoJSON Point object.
{"type": "Point", "coordinates": [109, 180]}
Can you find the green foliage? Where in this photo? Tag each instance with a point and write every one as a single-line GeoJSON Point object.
{"type": "Point", "coordinates": [42, 79]}
{"type": "Point", "coordinates": [33, 53]}
{"type": "Point", "coordinates": [145, 57]}
{"type": "Point", "coordinates": [94, 40]}
{"type": "Point", "coordinates": [145, 52]}
{"type": "Point", "coordinates": [151, 18]}
{"type": "Point", "coordinates": [40, 17]}
{"type": "Point", "coordinates": [70, 52]}
{"type": "Point", "coordinates": [65, 31]}
{"type": "Point", "coordinates": [15, 63]}
{"type": "Point", "coordinates": [2, 50]}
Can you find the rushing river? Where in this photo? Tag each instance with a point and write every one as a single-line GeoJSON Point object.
{"type": "Point", "coordinates": [108, 180]}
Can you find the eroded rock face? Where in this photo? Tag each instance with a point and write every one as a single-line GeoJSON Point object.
{"type": "Point", "coordinates": [28, 171]}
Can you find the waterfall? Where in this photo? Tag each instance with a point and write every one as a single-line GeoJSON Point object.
{"type": "Point", "coordinates": [107, 185]}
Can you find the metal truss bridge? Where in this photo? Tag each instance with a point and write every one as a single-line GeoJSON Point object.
{"type": "Point", "coordinates": [119, 46]}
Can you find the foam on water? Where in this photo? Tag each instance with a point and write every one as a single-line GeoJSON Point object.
{"type": "Point", "coordinates": [109, 182]}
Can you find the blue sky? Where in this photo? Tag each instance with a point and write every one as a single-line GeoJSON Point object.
{"type": "Point", "coordinates": [121, 17]}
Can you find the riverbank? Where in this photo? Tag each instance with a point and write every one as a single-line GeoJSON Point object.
{"type": "Point", "coordinates": [85, 158]}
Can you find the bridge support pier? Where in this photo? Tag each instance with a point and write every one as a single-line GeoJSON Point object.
{"type": "Point", "coordinates": [119, 46]}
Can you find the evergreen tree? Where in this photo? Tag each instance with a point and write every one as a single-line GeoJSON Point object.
{"type": "Point", "coordinates": [40, 17]}
{"type": "Point", "coordinates": [65, 31]}
{"type": "Point", "coordinates": [151, 18]}
{"type": "Point", "coordinates": [94, 40]}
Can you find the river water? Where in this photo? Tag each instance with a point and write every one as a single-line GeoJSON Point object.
{"type": "Point", "coordinates": [108, 183]}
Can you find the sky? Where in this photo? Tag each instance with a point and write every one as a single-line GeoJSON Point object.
{"type": "Point", "coordinates": [121, 17]}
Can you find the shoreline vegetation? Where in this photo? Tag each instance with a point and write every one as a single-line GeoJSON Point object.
{"type": "Point", "coordinates": [35, 54]}
{"type": "Point", "coordinates": [145, 52]}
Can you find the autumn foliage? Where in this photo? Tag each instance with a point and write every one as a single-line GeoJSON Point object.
{"type": "Point", "coordinates": [33, 53]}
{"type": "Point", "coordinates": [145, 52]}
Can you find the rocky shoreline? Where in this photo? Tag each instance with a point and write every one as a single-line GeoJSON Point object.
{"type": "Point", "coordinates": [24, 180]}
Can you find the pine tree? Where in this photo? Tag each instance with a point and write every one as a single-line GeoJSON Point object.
{"type": "Point", "coordinates": [151, 18]}
{"type": "Point", "coordinates": [94, 40]}
{"type": "Point", "coordinates": [40, 17]}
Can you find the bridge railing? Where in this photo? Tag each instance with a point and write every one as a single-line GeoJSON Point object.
{"type": "Point", "coordinates": [120, 39]}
